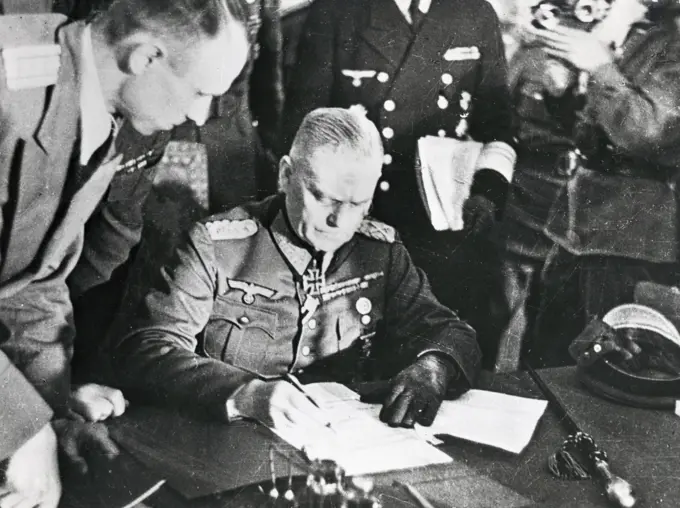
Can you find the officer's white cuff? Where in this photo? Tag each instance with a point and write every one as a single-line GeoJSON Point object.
{"type": "Point", "coordinates": [498, 156]}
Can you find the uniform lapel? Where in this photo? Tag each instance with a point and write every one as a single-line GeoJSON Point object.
{"type": "Point", "coordinates": [295, 254]}
{"type": "Point", "coordinates": [63, 109]}
{"type": "Point", "coordinates": [433, 38]}
{"type": "Point", "coordinates": [62, 117]}
{"type": "Point", "coordinates": [44, 160]}
{"type": "Point", "coordinates": [387, 32]}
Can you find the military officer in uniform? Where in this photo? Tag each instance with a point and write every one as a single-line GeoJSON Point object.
{"type": "Point", "coordinates": [420, 68]}
{"type": "Point", "coordinates": [60, 85]}
{"type": "Point", "coordinates": [300, 283]}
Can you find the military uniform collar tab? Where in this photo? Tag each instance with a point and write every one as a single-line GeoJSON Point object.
{"type": "Point", "coordinates": [292, 249]}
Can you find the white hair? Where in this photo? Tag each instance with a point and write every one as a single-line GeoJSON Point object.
{"type": "Point", "coordinates": [337, 128]}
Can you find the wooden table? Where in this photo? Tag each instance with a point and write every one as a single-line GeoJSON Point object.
{"type": "Point", "coordinates": [643, 446]}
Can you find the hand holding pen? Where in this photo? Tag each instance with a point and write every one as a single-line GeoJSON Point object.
{"type": "Point", "coordinates": [282, 402]}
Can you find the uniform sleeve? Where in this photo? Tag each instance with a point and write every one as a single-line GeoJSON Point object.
{"type": "Point", "coordinates": [23, 413]}
{"type": "Point", "coordinates": [266, 80]}
{"type": "Point", "coordinates": [312, 77]}
{"type": "Point", "coordinates": [420, 324]}
{"type": "Point", "coordinates": [157, 357]}
{"type": "Point", "coordinates": [116, 225]}
{"type": "Point", "coordinates": [642, 117]}
{"type": "Point", "coordinates": [110, 235]}
{"type": "Point", "coordinates": [492, 117]}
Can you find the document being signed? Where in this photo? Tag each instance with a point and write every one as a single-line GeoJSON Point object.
{"type": "Point", "coordinates": [360, 442]}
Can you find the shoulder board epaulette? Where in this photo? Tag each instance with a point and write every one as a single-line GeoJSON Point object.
{"type": "Point", "coordinates": [377, 230]}
{"type": "Point", "coordinates": [225, 229]}
{"type": "Point", "coordinates": [30, 58]}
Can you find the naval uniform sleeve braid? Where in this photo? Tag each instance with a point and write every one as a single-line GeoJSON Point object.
{"type": "Point", "coordinates": [157, 359]}
{"type": "Point", "coordinates": [492, 117]}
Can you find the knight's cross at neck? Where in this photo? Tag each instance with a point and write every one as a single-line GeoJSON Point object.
{"type": "Point", "coordinates": [314, 279]}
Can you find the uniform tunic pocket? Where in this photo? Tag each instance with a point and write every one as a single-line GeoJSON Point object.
{"type": "Point", "coordinates": [240, 335]}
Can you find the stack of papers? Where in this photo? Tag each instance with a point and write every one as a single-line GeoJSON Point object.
{"type": "Point", "coordinates": [445, 171]}
{"type": "Point", "coordinates": [362, 444]}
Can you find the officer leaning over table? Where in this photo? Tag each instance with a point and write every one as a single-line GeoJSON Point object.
{"type": "Point", "coordinates": [420, 67]}
{"type": "Point", "coordinates": [63, 88]}
{"type": "Point", "coordinates": [303, 283]}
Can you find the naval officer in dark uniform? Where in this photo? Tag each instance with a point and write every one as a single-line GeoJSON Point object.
{"type": "Point", "coordinates": [420, 68]}
{"type": "Point", "coordinates": [299, 283]}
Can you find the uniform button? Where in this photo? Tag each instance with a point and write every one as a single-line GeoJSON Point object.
{"type": "Point", "coordinates": [365, 319]}
{"type": "Point", "coordinates": [441, 133]}
{"type": "Point", "coordinates": [387, 159]}
{"type": "Point", "coordinates": [305, 351]}
{"type": "Point", "coordinates": [312, 324]}
{"type": "Point", "coordinates": [383, 77]}
{"type": "Point", "coordinates": [384, 186]}
{"type": "Point", "coordinates": [255, 123]}
{"type": "Point", "coordinates": [389, 105]}
{"type": "Point", "coordinates": [447, 79]}
{"type": "Point", "coordinates": [388, 133]}
{"type": "Point", "coordinates": [442, 102]}
{"type": "Point", "coordinates": [300, 371]}
{"type": "Point", "coordinates": [244, 320]}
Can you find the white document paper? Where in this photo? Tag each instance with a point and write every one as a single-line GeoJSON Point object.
{"type": "Point", "coordinates": [361, 443]}
{"type": "Point", "coordinates": [677, 407]}
{"type": "Point", "coordinates": [495, 419]}
{"type": "Point", "coordinates": [445, 172]}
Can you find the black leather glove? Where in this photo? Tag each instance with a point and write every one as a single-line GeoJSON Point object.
{"type": "Point", "coordinates": [415, 394]}
{"type": "Point", "coordinates": [479, 215]}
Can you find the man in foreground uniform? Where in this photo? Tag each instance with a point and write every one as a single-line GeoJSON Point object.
{"type": "Point", "coordinates": [60, 85]}
{"type": "Point", "coordinates": [301, 283]}
{"type": "Point", "coordinates": [420, 68]}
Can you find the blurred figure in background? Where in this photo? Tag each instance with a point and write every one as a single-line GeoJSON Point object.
{"type": "Point", "coordinates": [592, 209]}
